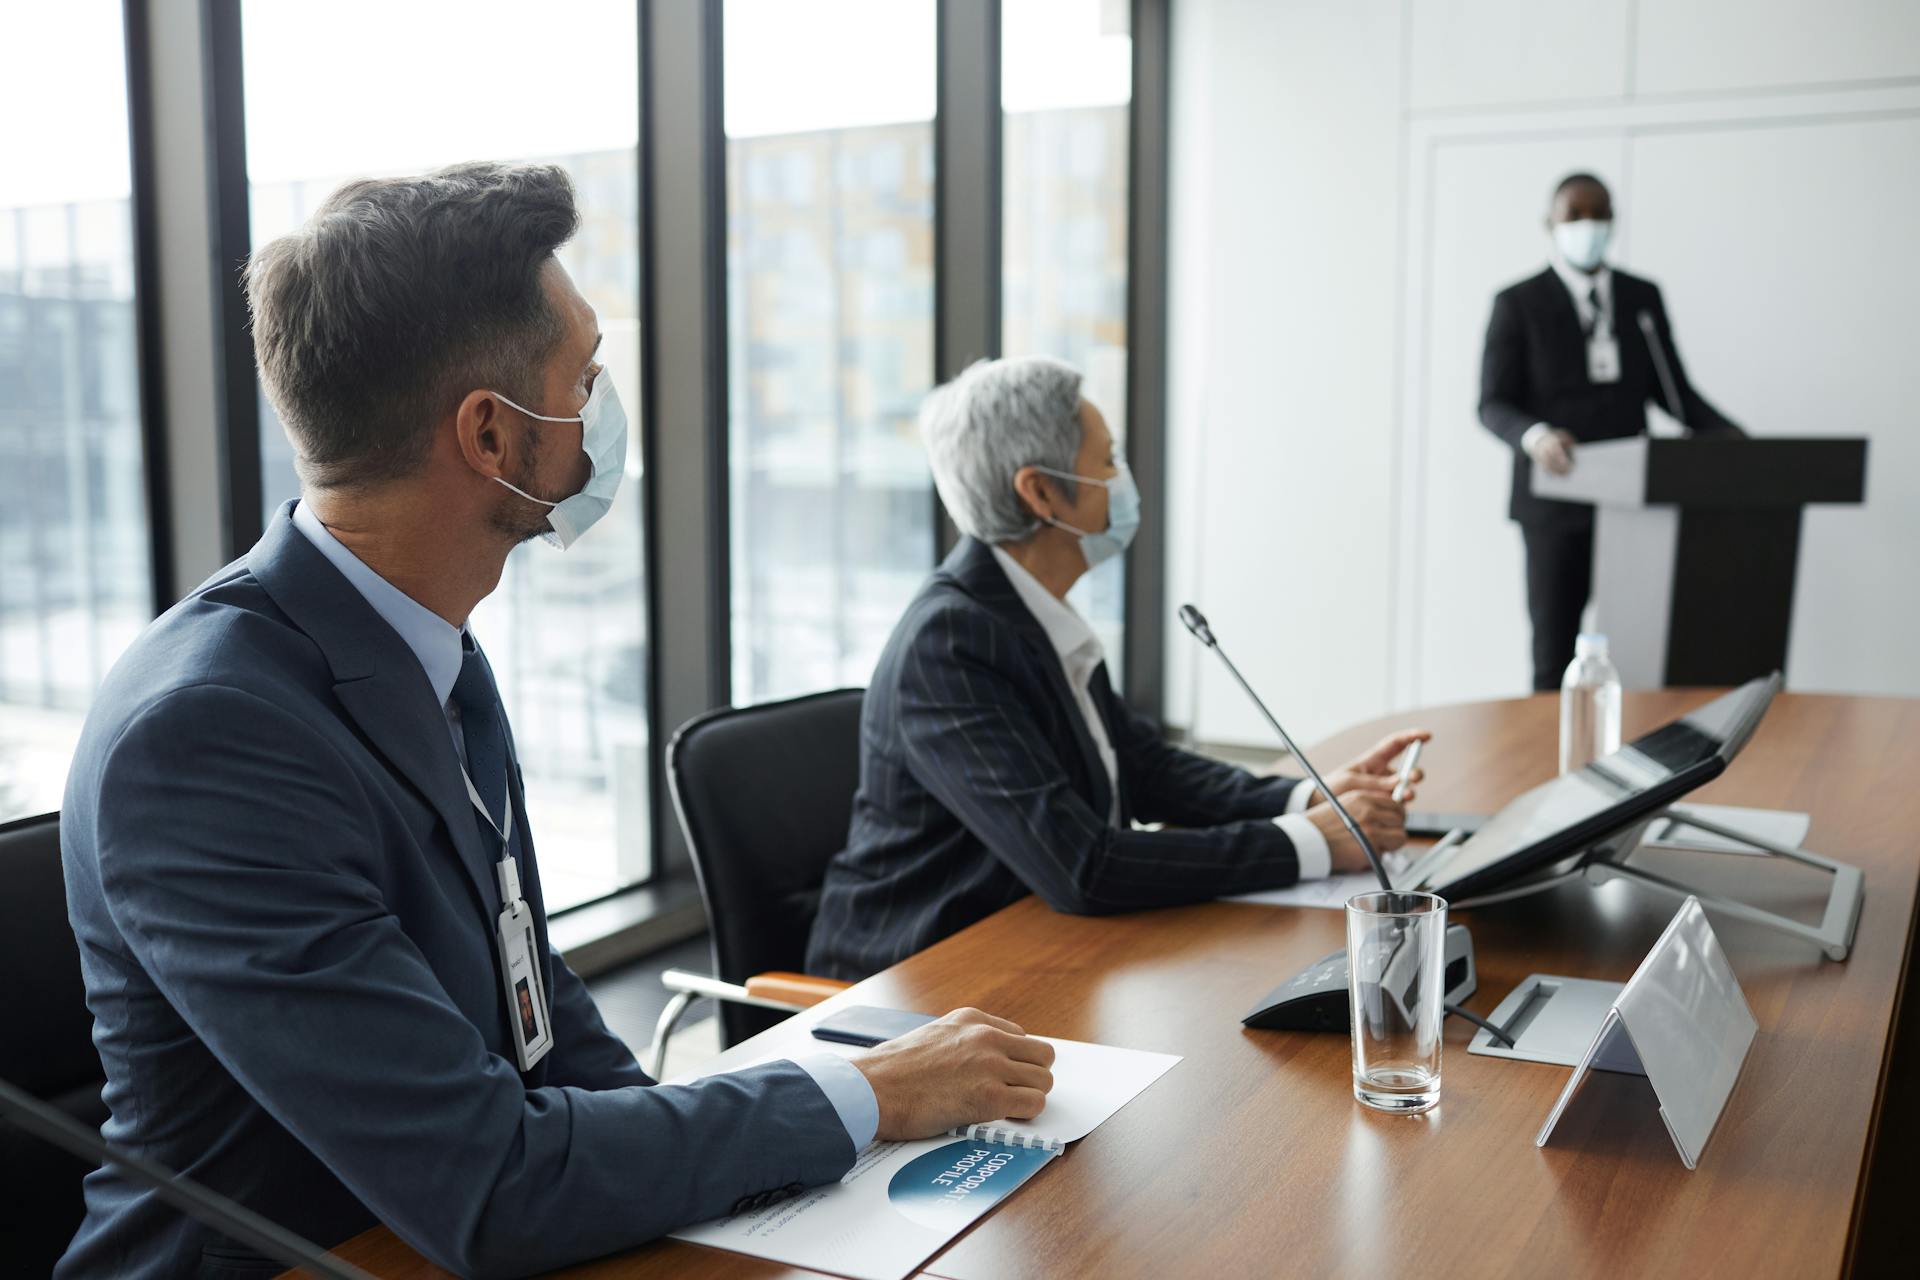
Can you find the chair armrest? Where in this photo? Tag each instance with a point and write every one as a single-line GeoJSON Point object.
{"type": "Point", "coordinates": [691, 985]}
{"type": "Point", "coordinates": [797, 989]}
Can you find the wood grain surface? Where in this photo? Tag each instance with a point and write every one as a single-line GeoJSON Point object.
{"type": "Point", "coordinates": [1251, 1158]}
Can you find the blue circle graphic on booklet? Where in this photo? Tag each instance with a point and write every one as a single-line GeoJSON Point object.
{"type": "Point", "coordinates": [962, 1180]}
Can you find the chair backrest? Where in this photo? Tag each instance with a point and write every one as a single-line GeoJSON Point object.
{"type": "Point", "coordinates": [47, 1046]}
{"type": "Point", "coordinates": [764, 795]}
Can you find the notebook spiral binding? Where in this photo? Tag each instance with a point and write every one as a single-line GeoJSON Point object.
{"type": "Point", "coordinates": [1007, 1137]}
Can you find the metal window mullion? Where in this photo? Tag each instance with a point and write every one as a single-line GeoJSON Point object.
{"type": "Point", "coordinates": [236, 389]}
{"type": "Point", "coordinates": [684, 372]}
{"type": "Point", "coordinates": [1147, 169]}
{"type": "Point", "coordinates": [967, 201]}
{"type": "Point", "coordinates": [150, 358]}
{"type": "Point", "coordinates": [177, 289]}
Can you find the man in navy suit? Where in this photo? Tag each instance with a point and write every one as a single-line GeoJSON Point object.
{"type": "Point", "coordinates": [1567, 360]}
{"type": "Point", "coordinates": [996, 760]}
{"type": "Point", "coordinates": [295, 820]}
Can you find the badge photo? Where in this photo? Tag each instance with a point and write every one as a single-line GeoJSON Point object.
{"type": "Point", "coordinates": [527, 1014]}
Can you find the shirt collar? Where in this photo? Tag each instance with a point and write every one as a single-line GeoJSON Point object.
{"type": "Point", "coordinates": [1579, 283]}
{"type": "Point", "coordinates": [434, 641]}
{"type": "Point", "coordinates": [1072, 639]}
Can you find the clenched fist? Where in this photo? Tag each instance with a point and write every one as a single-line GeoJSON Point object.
{"type": "Point", "coordinates": [966, 1068]}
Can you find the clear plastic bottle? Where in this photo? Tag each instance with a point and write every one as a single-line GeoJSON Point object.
{"type": "Point", "coordinates": [1589, 704]}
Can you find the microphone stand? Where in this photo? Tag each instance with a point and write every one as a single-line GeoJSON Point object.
{"type": "Point", "coordinates": [1196, 622]}
{"type": "Point", "coordinates": [1667, 384]}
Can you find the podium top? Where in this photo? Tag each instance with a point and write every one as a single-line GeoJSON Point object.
{"type": "Point", "coordinates": [1727, 473]}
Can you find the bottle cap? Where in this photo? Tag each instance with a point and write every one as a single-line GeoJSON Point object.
{"type": "Point", "coordinates": [1589, 644]}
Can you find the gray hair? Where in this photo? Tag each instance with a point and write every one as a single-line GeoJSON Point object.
{"type": "Point", "coordinates": [995, 418]}
{"type": "Point", "coordinates": [397, 298]}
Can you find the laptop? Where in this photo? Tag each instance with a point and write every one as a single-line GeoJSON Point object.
{"type": "Point", "coordinates": [1551, 828]}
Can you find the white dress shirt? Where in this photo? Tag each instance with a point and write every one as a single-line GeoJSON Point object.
{"type": "Point", "coordinates": [1594, 323]}
{"type": "Point", "coordinates": [437, 644]}
{"type": "Point", "coordinates": [1080, 653]}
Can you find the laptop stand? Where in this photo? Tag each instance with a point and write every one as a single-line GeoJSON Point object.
{"type": "Point", "coordinates": [1609, 861]}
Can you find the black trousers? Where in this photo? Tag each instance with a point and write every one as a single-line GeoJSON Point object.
{"type": "Point", "coordinates": [1559, 580]}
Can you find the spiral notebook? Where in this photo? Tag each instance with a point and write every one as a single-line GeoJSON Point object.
{"type": "Point", "coordinates": [901, 1201]}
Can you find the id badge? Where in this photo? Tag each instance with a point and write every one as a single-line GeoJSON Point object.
{"type": "Point", "coordinates": [1603, 358]}
{"type": "Point", "coordinates": [527, 1014]}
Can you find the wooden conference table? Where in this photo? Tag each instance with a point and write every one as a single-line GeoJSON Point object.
{"type": "Point", "coordinates": [1251, 1157]}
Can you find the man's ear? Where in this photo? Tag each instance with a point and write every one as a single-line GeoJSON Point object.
{"type": "Point", "coordinates": [478, 427]}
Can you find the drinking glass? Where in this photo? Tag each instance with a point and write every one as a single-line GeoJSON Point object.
{"type": "Point", "coordinates": [1396, 965]}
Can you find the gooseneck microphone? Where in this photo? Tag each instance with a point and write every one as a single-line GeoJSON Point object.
{"type": "Point", "coordinates": [1668, 386]}
{"type": "Point", "coordinates": [235, 1220]}
{"type": "Point", "coordinates": [1196, 622]}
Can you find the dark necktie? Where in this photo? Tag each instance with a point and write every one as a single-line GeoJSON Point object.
{"type": "Point", "coordinates": [1593, 315]}
{"type": "Point", "coordinates": [481, 725]}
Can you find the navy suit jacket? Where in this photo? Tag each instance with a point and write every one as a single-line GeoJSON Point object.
{"type": "Point", "coordinates": [285, 910]}
{"type": "Point", "coordinates": [979, 784]}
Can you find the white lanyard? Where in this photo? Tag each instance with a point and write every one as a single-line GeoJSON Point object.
{"type": "Point", "coordinates": [529, 1015]}
{"type": "Point", "coordinates": [508, 868]}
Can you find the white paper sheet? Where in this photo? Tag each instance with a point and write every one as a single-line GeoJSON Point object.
{"type": "Point", "coordinates": [903, 1200]}
{"type": "Point", "coordinates": [1331, 893]}
{"type": "Point", "coordinates": [1090, 1083]}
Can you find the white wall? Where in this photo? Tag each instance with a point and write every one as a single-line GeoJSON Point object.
{"type": "Point", "coordinates": [1353, 182]}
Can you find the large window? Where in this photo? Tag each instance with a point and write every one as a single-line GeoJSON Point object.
{"type": "Point", "coordinates": [829, 107]}
{"type": "Point", "coordinates": [381, 88]}
{"type": "Point", "coordinates": [1066, 81]}
{"type": "Point", "coordinates": [75, 581]}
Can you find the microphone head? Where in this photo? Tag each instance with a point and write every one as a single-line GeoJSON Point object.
{"type": "Point", "coordinates": [1196, 622]}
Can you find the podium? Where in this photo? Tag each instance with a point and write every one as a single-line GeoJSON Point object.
{"type": "Point", "coordinates": [1696, 543]}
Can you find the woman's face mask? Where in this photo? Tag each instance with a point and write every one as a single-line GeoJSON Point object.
{"type": "Point", "coordinates": [1123, 516]}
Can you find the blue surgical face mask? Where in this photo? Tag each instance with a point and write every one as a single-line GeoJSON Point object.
{"type": "Point", "coordinates": [603, 438]}
{"type": "Point", "coordinates": [1123, 516]}
{"type": "Point", "coordinates": [1583, 244]}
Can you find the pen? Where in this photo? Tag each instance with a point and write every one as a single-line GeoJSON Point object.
{"type": "Point", "coordinates": [1406, 769]}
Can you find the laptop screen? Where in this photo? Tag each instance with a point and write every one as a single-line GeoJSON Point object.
{"type": "Point", "coordinates": [1568, 815]}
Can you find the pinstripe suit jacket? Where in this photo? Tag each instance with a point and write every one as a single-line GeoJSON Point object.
{"type": "Point", "coordinates": [979, 784]}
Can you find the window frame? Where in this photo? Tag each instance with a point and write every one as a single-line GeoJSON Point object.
{"type": "Point", "coordinates": [683, 418]}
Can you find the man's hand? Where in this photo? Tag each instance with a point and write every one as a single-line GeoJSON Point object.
{"type": "Point", "coordinates": [966, 1068]}
{"type": "Point", "coordinates": [1377, 813]}
{"type": "Point", "coordinates": [1552, 449]}
{"type": "Point", "coordinates": [1378, 768]}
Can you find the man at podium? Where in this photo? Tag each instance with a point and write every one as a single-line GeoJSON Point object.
{"type": "Point", "coordinates": [1573, 354]}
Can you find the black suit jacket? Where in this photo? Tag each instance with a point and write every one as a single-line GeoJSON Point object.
{"type": "Point", "coordinates": [979, 784]}
{"type": "Point", "coordinates": [1535, 370]}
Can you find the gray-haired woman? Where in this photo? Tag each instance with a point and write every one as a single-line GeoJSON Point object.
{"type": "Point", "coordinates": [996, 758]}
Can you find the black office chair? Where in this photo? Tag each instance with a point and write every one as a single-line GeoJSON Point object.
{"type": "Point", "coordinates": [764, 795]}
{"type": "Point", "coordinates": [46, 1045]}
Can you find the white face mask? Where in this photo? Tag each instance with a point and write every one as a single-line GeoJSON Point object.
{"type": "Point", "coordinates": [603, 438]}
{"type": "Point", "coordinates": [1123, 515]}
{"type": "Point", "coordinates": [1583, 244]}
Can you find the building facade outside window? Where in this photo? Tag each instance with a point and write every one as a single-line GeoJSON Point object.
{"type": "Point", "coordinates": [830, 189]}
{"type": "Point", "coordinates": [1066, 86]}
{"type": "Point", "coordinates": [75, 575]}
{"type": "Point", "coordinates": [566, 632]}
